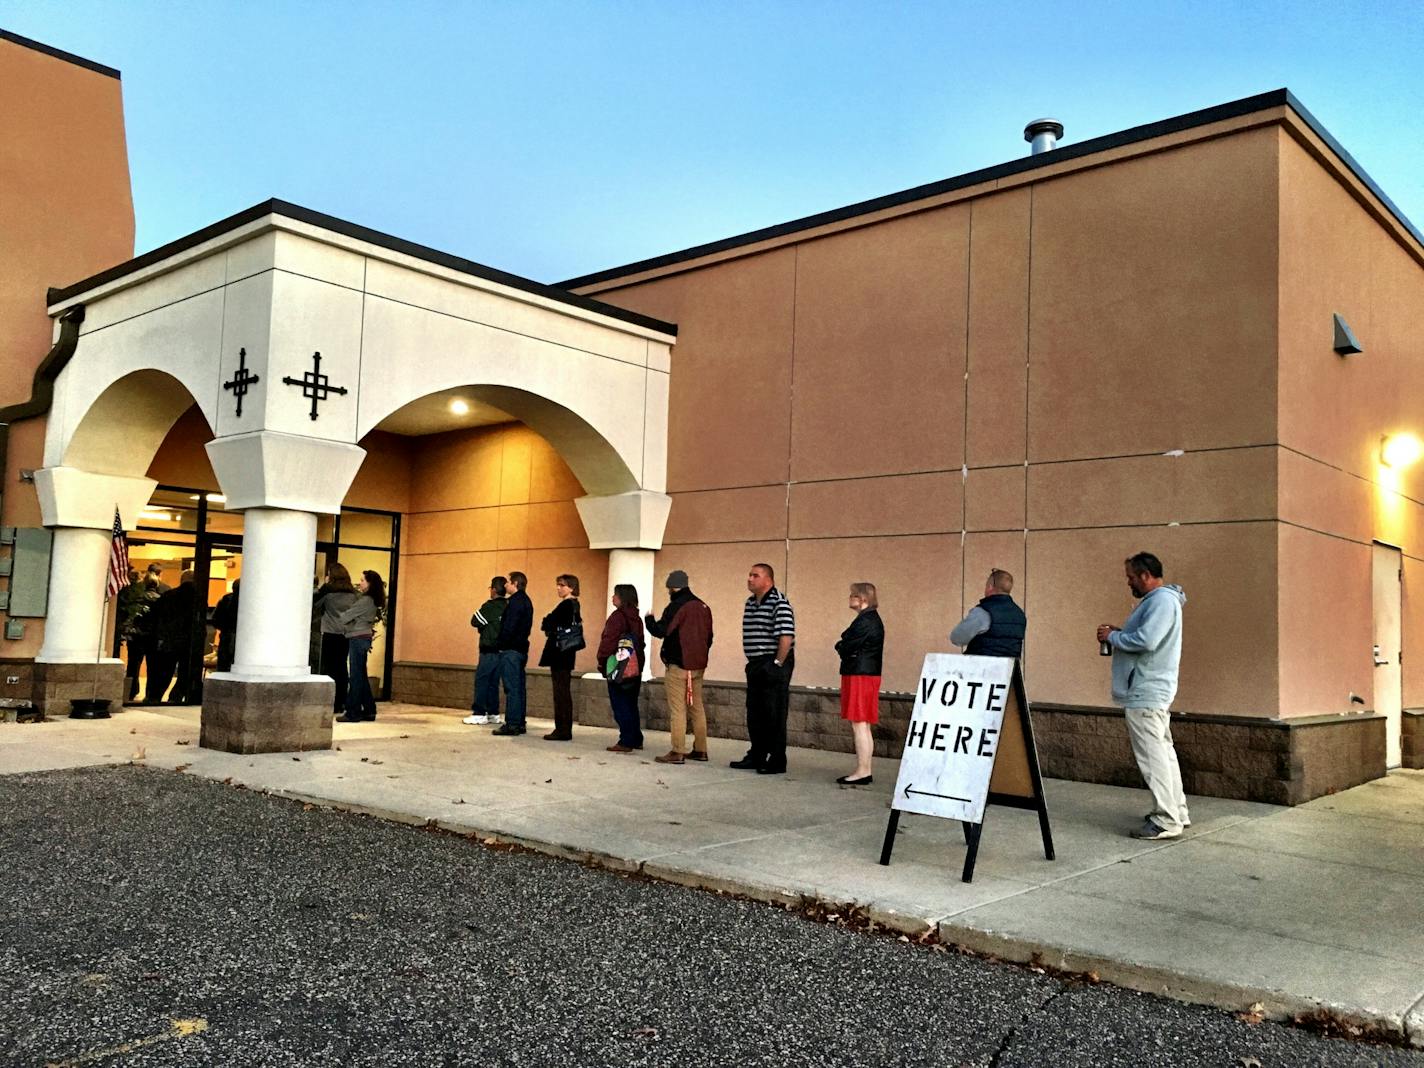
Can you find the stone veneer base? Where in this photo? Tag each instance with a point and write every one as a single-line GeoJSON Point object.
{"type": "Point", "coordinates": [55, 685]}
{"type": "Point", "coordinates": [1283, 762]}
{"type": "Point", "coordinates": [1412, 738]}
{"type": "Point", "coordinates": [243, 716]}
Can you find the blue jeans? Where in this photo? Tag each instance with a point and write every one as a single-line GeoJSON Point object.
{"type": "Point", "coordinates": [359, 702]}
{"type": "Point", "coordinates": [486, 700]}
{"type": "Point", "coordinates": [625, 713]}
{"type": "Point", "coordinates": [511, 673]}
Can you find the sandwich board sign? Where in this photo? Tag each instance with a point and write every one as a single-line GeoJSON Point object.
{"type": "Point", "coordinates": [969, 745]}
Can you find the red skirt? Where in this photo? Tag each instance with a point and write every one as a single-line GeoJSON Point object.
{"type": "Point", "coordinates": [860, 698]}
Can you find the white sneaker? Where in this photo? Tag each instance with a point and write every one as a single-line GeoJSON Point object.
{"type": "Point", "coordinates": [475, 721]}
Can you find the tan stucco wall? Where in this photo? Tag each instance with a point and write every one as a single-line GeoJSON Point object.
{"type": "Point", "coordinates": [65, 212]}
{"type": "Point", "coordinates": [1336, 498]}
{"type": "Point", "coordinates": [821, 418]}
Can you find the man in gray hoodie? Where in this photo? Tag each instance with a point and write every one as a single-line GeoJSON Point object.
{"type": "Point", "coordinates": [1145, 653]}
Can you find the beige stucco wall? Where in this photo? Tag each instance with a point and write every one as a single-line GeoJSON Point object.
{"type": "Point", "coordinates": [821, 417]}
{"type": "Point", "coordinates": [1337, 257]}
{"type": "Point", "coordinates": [65, 212]}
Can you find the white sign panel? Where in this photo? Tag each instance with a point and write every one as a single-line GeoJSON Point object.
{"type": "Point", "coordinates": [954, 735]}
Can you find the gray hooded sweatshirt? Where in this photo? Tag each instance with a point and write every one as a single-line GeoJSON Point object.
{"type": "Point", "coordinates": [1147, 650]}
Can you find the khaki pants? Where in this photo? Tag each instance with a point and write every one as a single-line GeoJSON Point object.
{"type": "Point", "coordinates": [1150, 732]}
{"type": "Point", "coordinates": [675, 683]}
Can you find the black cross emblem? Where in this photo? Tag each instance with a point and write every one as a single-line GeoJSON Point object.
{"type": "Point", "coordinates": [315, 384]}
{"type": "Point", "coordinates": [241, 380]}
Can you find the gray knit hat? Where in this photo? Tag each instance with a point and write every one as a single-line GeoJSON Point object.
{"type": "Point", "coordinates": [677, 580]}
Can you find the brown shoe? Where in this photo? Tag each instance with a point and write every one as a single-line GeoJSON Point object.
{"type": "Point", "coordinates": [698, 754]}
{"type": "Point", "coordinates": [672, 756]}
{"type": "Point", "coordinates": [620, 749]}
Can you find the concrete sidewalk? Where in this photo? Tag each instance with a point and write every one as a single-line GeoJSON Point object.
{"type": "Point", "coordinates": [1316, 907]}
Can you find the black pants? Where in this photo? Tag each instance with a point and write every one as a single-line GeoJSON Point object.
{"type": "Point", "coordinates": [768, 698]}
{"type": "Point", "coordinates": [563, 701]}
{"type": "Point", "coordinates": [334, 648]}
{"type": "Point", "coordinates": [138, 649]}
{"type": "Point", "coordinates": [161, 665]}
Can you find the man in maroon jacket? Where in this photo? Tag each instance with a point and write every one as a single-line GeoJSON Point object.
{"type": "Point", "coordinates": [686, 632]}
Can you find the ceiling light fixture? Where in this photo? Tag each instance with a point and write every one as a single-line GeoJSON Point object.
{"type": "Point", "coordinates": [460, 407]}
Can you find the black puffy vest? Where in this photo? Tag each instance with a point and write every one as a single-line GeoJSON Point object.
{"type": "Point", "coordinates": [1007, 624]}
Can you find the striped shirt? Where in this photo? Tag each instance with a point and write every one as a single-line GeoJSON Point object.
{"type": "Point", "coordinates": [763, 624]}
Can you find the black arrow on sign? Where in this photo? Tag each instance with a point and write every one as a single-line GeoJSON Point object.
{"type": "Point", "coordinates": [926, 793]}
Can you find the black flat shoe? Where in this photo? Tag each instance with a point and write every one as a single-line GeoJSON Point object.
{"type": "Point", "coordinates": [507, 731]}
{"type": "Point", "coordinates": [769, 770]}
{"type": "Point", "coordinates": [745, 764]}
{"type": "Point", "coordinates": [846, 780]}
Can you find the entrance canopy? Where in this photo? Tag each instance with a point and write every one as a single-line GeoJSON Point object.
{"type": "Point", "coordinates": [296, 334]}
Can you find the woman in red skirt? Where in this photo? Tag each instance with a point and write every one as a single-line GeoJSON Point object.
{"type": "Point", "coordinates": [860, 650]}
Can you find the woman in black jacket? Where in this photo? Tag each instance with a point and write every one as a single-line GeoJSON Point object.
{"type": "Point", "coordinates": [560, 662]}
{"type": "Point", "coordinates": [860, 649]}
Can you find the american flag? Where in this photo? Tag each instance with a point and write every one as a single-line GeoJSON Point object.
{"type": "Point", "coordinates": [118, 558]}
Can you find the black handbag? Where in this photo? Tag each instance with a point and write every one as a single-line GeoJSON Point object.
{"type": "Point", "coordinates": [570, 639]}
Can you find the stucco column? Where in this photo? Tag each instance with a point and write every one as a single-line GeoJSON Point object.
{"type": "Point", "coordinates": [78, 573]}
{"type": "Point", "coordinates": [274, 618]}
{"type": "Point", "coordinates": [270, 701]}
{"type": "Point", "coordinates": [630, 525]}
{"type": "Point", "coordinates": [79, 507]}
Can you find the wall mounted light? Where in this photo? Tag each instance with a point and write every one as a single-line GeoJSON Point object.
{"type": "Point", "coordinates": [1400, 450]}
{"type": "Point", "coordinates": [460, 407]}
{"type": "Point", "coordinates": [1345, 342]}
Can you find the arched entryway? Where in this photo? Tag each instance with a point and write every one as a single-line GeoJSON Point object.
{"type": "Point", "coordinates": [297, 335]}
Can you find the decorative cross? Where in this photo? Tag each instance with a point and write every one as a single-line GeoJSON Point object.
{"type": "Point", "coordinates": [241, 380]}
{"type": "Point", "coordinates": [315, 384]}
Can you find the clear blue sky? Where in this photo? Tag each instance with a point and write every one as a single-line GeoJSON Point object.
{"type": "Point", "coordinates": [553, 139]}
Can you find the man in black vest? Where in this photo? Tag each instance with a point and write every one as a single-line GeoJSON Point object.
{"type": "Point", "coordinates": [995, 626]}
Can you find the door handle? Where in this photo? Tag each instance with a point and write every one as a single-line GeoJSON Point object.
{"type": "Point", "coordinates": [1379, 660]}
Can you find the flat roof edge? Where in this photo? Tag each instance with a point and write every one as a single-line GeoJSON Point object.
{"type": "Point", "coordinates": [1134, 135]}
{"type": "Point", "coordinates": [373, 237]}
{"type": "Point", "coordinates": [59, 53]}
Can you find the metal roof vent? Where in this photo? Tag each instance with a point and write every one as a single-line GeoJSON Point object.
{"type": "Point", "coordinates": [1043, 135]}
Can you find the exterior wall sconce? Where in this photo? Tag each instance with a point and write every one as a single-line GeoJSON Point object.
{"type": "Point", "coordinates": [1345, 343]}
{"type": "Point", "coordinates": [1400, 450]}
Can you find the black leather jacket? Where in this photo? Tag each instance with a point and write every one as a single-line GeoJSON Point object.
{"type": "Point", "coordinates": [862, 644]}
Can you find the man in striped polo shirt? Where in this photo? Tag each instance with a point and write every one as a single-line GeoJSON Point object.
{"type": "Point", "coordinates": [768, 633]}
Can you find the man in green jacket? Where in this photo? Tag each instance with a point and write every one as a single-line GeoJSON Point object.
{"type": "Point", "coordinates": [485, 706]}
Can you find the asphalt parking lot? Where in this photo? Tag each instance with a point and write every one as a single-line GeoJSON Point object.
{"type": "Point", "coordinates": [156, 919]}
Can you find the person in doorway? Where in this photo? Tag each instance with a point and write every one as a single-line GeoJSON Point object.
{"type": "Point", "coordinates": [623, 622]}
{"type": "Point", "coordinates": [225, 620]}
{"type": "Point", "coordinates": [153, 577]}
{"type": "Point", "coordinates": [484, 707]}
{"type": "Point", "coordinates": [768, 638]}
{"type": "Point", "coordinates": [135, 604]}
{"type": "Point", "coordinates": [513, 644]}
{"type": "Point", "coordinates": [360, 622]}
{"type": "Point", "coordinates": [686, 632]}
{"type": "Point", "coordinates": [175, 627]}
{"type": "Point", "coordinates": [558, 660]}
{"type": "Point", "coordinates": [996, 625]}
{"type": "Point", "coordinates": [1146, 652]}
{"type": "Point", "coordinates": [336, 595]}
{"type": "Point", "coordinates": [861, 650]}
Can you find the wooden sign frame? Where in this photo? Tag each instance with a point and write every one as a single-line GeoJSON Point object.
{"type": "Point", "coordinates": [1015, 782]}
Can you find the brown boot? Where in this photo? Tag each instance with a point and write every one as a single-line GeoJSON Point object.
{"type": "Point", "coordinates": [698, 754]}
{"type": "Point", "coordinates": [672, 756]}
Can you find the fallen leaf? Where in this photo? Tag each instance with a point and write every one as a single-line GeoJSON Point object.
{"type": "Point", "coordinates": [182, 741]}
{"type": "Point", "coordinates": [1250, 1062]}
{"type": "Point", "coordinates": [1254, 1015]}
{"type": "Point", "coordinates": [140, 753]}
{"type": "Point", "coordinates": [365, 759]}
{"type": "Point", "coordinates": [548, 780]}
{"type": "Point", "coordinates": [405, 736]}
{"type": "Point", "coordinates": [133, 730]}
{"type": "Point", "coordinates": [644, 1032]}
{"type": "Point", "coordinates": [297, 758]}
{"type": "Point", "coordinates": [573, 758]}
{"type": "Point", "coordinates": [182, 767]}
{"type": "Point", "coordinates": [377, 761]}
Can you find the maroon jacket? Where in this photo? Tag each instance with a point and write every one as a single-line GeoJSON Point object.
{"type": "Point", "coordinates": [622, 621]}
